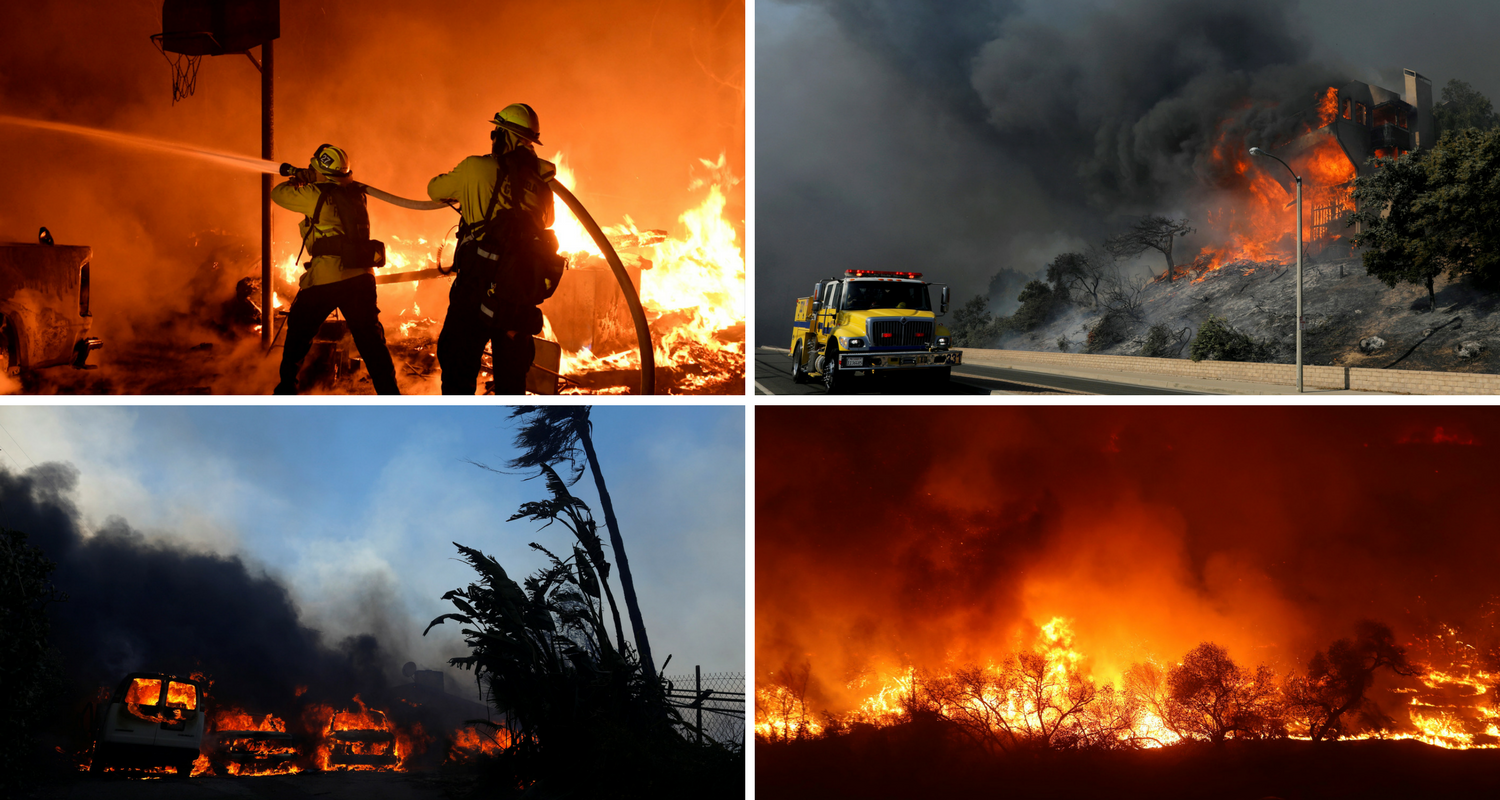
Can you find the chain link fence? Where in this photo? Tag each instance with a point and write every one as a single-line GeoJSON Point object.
{"type": "Point", "coordinates": [712, 705]}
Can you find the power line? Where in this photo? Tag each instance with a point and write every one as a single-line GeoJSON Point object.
{"type": "Point", "coordinates": [18, 447]}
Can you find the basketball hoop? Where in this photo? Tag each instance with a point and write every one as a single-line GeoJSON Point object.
{"type": "Point", "coordinates": [184, 64]}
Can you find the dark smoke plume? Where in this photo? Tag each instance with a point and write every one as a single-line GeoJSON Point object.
{"type": "Point", "coordinates": [962, 139]}
{"type": "Point", "coordinates": [136, 604]}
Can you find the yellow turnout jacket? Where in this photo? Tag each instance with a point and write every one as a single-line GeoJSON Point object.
{"type": "Point", "coordinates": [473, 181]}
{"type": "Point", "coordinates": [303, 199]}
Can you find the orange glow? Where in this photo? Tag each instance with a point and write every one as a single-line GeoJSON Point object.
{"type": "Point", "coordinates": [144, 692]}
{"type": "Point", "coordinates": [182, 695]}
{"type": "Point", "coordinates": [468, 744]}
{"type": "Point", "coordinates": [1449, 707]}
{"type": "Point", "coordinates": [693, 292]}
{"type": "Point", "coordinates": [1256, 223]}
{"type": "Point", "coordinates": [362, 739]}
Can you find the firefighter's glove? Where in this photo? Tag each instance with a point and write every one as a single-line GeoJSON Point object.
{"type": "Point", "coordinates": [303, 177]}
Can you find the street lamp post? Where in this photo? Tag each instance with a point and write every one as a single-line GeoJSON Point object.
{"type": "Point", "coordinates": [1256, 151]}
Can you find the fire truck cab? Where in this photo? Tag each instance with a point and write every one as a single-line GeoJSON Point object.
{"type": "Point", "coordinates": [870, 322]}
{"type": "Point", "coordinates": [152, 720]}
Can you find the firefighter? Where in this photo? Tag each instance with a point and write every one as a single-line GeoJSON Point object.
{"type": "Point", "coordinates": [340, 275]}
{"type": "Point", "coordinates": [506, 207]}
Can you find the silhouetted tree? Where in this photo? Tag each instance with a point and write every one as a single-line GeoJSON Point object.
{"type": "Point", "coordinates": [1147, 687]}
{"type": "Point", "coordinates": [1038, 303]}
{"type": "Point", "coordinates": [1463, 106]}
{"type": "Point", "coordinates": [27, 671]}
{"type": "Point", "coordinates": [972, 323]}
{"type": "Point", "coordinates": [1214, 698]}
{"type": "Point", "coordinates": [1337, 679]}
{"type": "Point", "coordinates": [1149, 233]}
{"type": "Point", "coordinates": [550, 435]}
{"type": "Point", "coordinates": [1081, 273]}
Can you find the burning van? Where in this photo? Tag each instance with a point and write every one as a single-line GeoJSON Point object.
{"type": "Point", "coordinates": [151, 721]}
{"type": "Point", "coordinates": [44, 307]}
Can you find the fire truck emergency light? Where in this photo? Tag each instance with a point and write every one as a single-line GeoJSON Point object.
{"type": "Point", "coordinates": [862, 273]}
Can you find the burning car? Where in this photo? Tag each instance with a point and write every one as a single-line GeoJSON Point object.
{"type": "Point", "coordinates": [44, 307]}
{"type": "Point", "coordinates": [152, 720]}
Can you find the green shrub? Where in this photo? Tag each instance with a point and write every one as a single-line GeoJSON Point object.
{"type": "Point", "coordinates": [1038, 303]}
{"type": "Point", "coordinates": [1217, 340]}
{"type": "Point", "coordinates": [1108, 331]}
{"type": "Point", "coordinates": [1161, 341]}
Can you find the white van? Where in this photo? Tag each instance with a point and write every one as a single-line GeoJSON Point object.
{"type": "Point", "coordinates": [152, 720]}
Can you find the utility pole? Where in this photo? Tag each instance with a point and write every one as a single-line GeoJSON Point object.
{"type": "Point", "coordinates": [1256, 151]}
{"type": "Point", "coordinates": [267, 130]}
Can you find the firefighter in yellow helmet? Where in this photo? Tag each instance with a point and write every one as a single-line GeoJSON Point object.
{"type": "Point", "coordinates": [506, 259]}
{"type": "Point", "coordinates": [335, 232]}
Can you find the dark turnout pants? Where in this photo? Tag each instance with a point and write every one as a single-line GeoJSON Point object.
{"type": "Point", "coordinates": [461, 345]}
{"type": "Point", "coordinates": [355, 298]}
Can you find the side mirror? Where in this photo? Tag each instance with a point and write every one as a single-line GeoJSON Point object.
{"type": "Point", "coordinates": [945, 301]}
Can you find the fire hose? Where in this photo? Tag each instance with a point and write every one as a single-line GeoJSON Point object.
{"type": "Point", "coordinates": [632, 298]}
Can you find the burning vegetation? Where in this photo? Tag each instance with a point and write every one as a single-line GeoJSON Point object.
{"type": "Point", "coordinates": [1116, 583]}
{"type": "Point", "coordinates": [1047, 696]}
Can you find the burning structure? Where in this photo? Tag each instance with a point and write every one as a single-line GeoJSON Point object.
{"type": "Point", "coordinates": [1367, 122]}
{"type": "Point", "coordinates": [1055, 583]}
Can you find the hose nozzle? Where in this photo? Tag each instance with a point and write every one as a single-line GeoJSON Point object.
{"type": "Point", "coordinates": [287, 170]}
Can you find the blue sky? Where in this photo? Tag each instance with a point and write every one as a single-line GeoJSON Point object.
{"type": "Point", "coordinates": [355, 508]}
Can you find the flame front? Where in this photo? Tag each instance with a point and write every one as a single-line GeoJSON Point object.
{"type": "Point", "coordinates": [1046, 695]}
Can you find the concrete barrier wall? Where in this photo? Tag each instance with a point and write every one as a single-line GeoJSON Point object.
{"type": "Point", "coordinates": [1319, 377]}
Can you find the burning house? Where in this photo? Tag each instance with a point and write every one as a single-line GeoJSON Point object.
{"type": "Point", "coordinates": [1356, 123]}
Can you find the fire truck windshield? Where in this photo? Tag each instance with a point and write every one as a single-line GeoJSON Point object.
{"type": "Point", "coordinates": [865, 295]}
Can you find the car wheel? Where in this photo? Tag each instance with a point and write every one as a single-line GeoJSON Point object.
{"type": "Point", "coordinates": [799, 373]}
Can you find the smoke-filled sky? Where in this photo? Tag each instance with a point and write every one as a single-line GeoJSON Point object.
{"type": "Point", "coordinates": [634, 94]}
{"type": "Point", "coordinates": [962, 138]}
{"type": "Point", "coordinates": [947, 532]}
{"type": "Point", "coordinates": [342, 520]}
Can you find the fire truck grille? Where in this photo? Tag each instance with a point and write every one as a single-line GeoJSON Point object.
{"type": "Point", "coordinates": [900, 332]}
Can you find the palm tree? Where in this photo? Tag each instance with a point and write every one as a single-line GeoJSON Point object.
{"type": "Point", "coordinates": [551, 435]}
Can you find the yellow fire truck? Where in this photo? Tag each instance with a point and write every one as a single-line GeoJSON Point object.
{"type": "Point", "coordinates": [870, 322]}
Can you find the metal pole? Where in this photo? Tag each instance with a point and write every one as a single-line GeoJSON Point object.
{"type": "Point", "coordinates": [267, 128]}
{"type": "Point", "coordinates": [1299, 284]}
{"type": "Point", "coordinates": [698, 690]}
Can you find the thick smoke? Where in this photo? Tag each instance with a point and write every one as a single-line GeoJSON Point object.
{"type": "Point", "coordinates": [966, 139]}
{"type": "Point", "coordinates": [948, 534]}
{"type": "Point", "coordinates": [632, 94]}
{"type": "Point", "coordinates": [139, 604]}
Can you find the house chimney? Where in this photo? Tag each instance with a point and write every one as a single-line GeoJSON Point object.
{"type": "Point", "coordinates": [1419, 96]}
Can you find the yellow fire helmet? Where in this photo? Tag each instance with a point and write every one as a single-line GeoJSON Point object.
{"type": "Point", "coordinates": [520, 119]}
{"type": "Point", "coordinates": [330, 161]}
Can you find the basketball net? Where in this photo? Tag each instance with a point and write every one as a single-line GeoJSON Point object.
{"type": "Point", "coordinates": [184, 70]}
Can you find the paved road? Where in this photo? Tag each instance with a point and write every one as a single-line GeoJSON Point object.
{"type": "Point", "coordinates": [773, 375]}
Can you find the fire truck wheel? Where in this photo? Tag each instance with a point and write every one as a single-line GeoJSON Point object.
{"type": "Point", "coordinates": [832, 380]}
{"type": "Point", "coordinates": [799, 374]}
